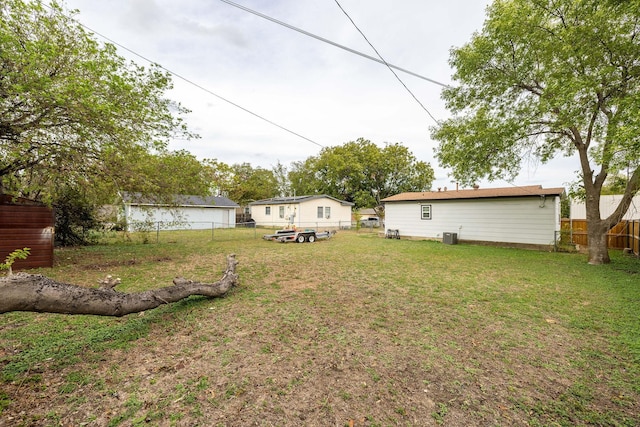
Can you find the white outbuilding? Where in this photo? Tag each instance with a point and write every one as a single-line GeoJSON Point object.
{"type": "Point", "coordinates": [608, 204]}
{"type": "Point", "coordinates": [514, 216]}
{"type": "Point", "coordinates": [184, 212]}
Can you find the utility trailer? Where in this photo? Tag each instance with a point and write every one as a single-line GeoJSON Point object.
{"type": "Point", "coordinates": [284, 236]}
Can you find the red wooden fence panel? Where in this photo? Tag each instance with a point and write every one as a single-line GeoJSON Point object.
{"type": "Point", "coordinates": [24, 224]}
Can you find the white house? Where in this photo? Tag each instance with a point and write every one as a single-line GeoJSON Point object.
{"type": "Point", "coordinates": [520, 216]}
{"type": "Point", "coordinates": [366, 213]}
{"type": "Point", "coordinates": [608, 204]}
{"type": "Point", "coordinates": [320, 211]}
{"type": "Point", "coordinates": [187, 212]}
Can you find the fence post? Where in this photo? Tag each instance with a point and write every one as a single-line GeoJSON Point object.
{"type": "Point", "coordinates": [158, 232]}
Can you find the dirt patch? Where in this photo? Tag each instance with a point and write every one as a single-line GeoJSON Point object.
{"type": "Point", "coordinates": [303, 367]}
{"type": "Point", "coordinates": [108, 265]}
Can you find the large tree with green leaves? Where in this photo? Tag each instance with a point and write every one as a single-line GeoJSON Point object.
{"type": "Point", "coordinates": [75, 114]}
{"type": "Point", "coordinates": [249, 184]}
{"type": "Point", "coordinates": [547, 78]}
{"type": "Point", "coordinates": [361, 172]}
{"type": "Point", "coordinates": [241, 182]}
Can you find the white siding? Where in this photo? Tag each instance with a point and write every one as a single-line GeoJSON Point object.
{"type": "Point", "coordinates": [306, 214]}
{"type": "Point", "coordinates": [180, 218]}
{"type": "Point", "coordinates": [258, 213]}
{"type": "Point", "coordinates": [608, 204]}
{"type": "Point", "coordinates": [524, 220]}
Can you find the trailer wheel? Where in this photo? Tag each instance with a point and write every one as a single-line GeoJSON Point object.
{"type": "Point", "coordinates": [311, 238]}
{"type": "Point", "coordinates": [300, 238]}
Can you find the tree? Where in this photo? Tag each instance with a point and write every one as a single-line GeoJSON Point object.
{"type": "Point", "coordinates": [75, 217]}
{"type": "Point", "coordinates": [241, 182]}
{"type": "Point", "coordinates": [249, 183]}
{"type": "Point", "coordinates": [361, 172]}
{"type": "Point", "coordinates": [169, 173]}
{"type": "Point", "coordinates": [36, 293]}
{"type": "Point", "coordinates": [73, 112]}
{"type": "Point", "coordinates": [219, 175]}
{"type": "Point", "coordinates": [545, 78]}
{"type": "Point", "coordinates": [281, 175]}
{"type": "Point", "coordinates": [615, 184]}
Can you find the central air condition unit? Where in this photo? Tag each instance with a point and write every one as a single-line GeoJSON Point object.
{"type": "Point", "coordinates": [450, 238]}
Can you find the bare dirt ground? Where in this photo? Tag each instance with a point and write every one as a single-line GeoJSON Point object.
{"type": "Point", "coordinates": [231, 369]}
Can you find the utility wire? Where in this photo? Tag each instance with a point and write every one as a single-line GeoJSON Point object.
{"type": "Point", "coordinates": [385, 62]}
{"type": "Point", "coordinates": [191, 82]}
{"type": "Point", "coordinates": [322, 39]}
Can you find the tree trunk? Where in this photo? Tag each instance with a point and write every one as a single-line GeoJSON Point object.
{"type": "Point", "coordinates": [37, 293]}
{"type": "Point", "coordinates": [597, 242]}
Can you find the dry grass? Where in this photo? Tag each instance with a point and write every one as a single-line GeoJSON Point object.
{"type": "Point", "coordinates": [355, 331]}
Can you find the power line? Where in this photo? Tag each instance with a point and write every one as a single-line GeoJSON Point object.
{"type": "Point", "coordinates": [385, 62]}
{"type": "Point", "coordinates": [322, 39]}
{"type": "Point", "coordinates": [191, 82]}
{"type": "Point", "coordinates": [271, 122]}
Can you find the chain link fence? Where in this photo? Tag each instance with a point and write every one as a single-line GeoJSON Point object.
{"type": "Point", "coordinates": [163, 232]}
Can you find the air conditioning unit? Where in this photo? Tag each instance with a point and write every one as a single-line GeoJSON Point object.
{"type": "Point", "coordinates": [450, 238]}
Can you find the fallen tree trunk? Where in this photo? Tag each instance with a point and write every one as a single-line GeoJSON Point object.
{"type": "Point", "coordinates": [37, 293]}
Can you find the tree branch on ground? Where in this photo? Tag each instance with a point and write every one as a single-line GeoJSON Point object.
{"type": "Point", "coordinates": [37, 293]}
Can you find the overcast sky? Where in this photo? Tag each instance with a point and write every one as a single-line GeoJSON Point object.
{"type": "Point", "coordinates": [316, 90]}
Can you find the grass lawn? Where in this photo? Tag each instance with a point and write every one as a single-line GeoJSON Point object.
{"type": "Point", "coordinates": [354, 331]}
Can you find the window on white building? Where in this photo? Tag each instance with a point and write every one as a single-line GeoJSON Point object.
{"type": "Point", "coordinates": [320, 212]}
{"type": "Point", "coordinates": [281, 213]}
{"type": "Point", "coordinates": [267, 210]}
{"type": "Point", "coordinates": [426, 211]}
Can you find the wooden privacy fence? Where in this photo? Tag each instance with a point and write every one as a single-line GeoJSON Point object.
{"type": "Point", "coordinates": [625, 234]}
{"type": "Point", "coordinates": [25, 224]}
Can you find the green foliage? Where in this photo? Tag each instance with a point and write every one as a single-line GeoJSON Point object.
{"type": "Point", "coordinates": [75, 216]}
{"type": "Point", "coordinates": [361, 172]}
{"type": "Point", "coordinates": [13, 256]}
{"type": "Point", "coordinates": [243, 183]}
{"type": "Point", "coordinates": [565, 207]}
{"type": "Point", "coordinates": [544, 78]}
{"type": "Point", "coordinates": [5, 401]}
{"type": "Point", "coordinates": [74, 114]}
{"type": "Point", "coordinates": [615, 184]}
{"type": "Point", "coordinates": [281, 175]}
{"type": "Point", "coordinates": [218, 174]}
{"type": "Point", "coordinates": [249, 184]}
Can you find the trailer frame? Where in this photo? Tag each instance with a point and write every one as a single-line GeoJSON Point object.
{"type": "Point", "coordinates": [302, 236]}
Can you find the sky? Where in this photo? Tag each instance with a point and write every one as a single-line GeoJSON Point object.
{"type": "Point", "coordinates": [234, 69]}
